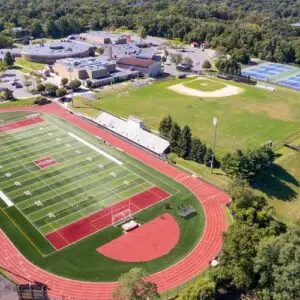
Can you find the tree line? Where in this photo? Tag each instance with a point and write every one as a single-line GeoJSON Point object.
{"type": "Point", "coordinates": [246, 26]}
{"type": "Point", "coordinates": [183, 143]}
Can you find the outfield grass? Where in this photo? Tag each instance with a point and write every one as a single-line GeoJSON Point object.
{"type": "Point", "coordinates": [29, 65]}
{"type": "Point", "coordinates": [81, 260]}
{"type": "Point", "coordinates": [282, 185]}
{"type": "Point", "coordinates": [246, 120]}
{"type": "Point", "coordinates": [18, 102]}
{"type": "Point", "coordinates": [204, 85]}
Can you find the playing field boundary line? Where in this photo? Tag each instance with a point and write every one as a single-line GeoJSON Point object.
{"type": "Point", "coordinates": [95, 149]}
{"type": "Point", "coordinates": [6, 200]}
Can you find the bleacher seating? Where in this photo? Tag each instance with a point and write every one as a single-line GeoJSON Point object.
{"type": "Point", "coordinates": [133, 129]}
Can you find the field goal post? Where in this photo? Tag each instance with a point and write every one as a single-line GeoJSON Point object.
{"type": "Point", "coordinates": [121, 216]}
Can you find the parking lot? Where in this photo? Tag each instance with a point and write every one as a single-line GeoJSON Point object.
{"type": "Point", "coordinates": [14, 81]}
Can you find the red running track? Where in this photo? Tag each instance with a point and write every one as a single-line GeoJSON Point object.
{"type": "Point", "coordinates": [211, 198]}
{"type": "Point", "coordinates": [152, 240]}
{"type": "Point", "coordinates": [22, 123]}
{"type": "Point", "coordinates": [80, 229]}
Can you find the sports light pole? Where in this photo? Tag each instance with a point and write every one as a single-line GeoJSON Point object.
{"type": "Point", "coordinates": [215, 123]}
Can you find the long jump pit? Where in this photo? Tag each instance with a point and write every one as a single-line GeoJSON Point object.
{"type": "Point", "coordinates": [226, 91]}
{"type": "Point", "coordinates": [150, 241]}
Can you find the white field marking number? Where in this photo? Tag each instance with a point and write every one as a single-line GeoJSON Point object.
{"type": "Point", "coordinates": [78, 151]}
{"type": "Point", "coordinates": [8, 174]}
{"type": "Point", "coordinates": [113, 174]}
{"type": "Point", "coordinates": [89, 158]}
{"type": "Point", "coordinates": [27, 193]}
{"type": "Point", "coordinates": [1, 167]}
{"type": "Point", "coordinates": [51, 215]}
{"type": "Point", "coordinates": [126, 182]}
{"type": "Point", "coordinates": [58, 139]}
{"type": "Point", "coordinates": [68, 145]}
{"type": "Point", "coordinates": [49, 133]}
{"type": "Point", "coordinates": [100, 166]}
{"type": "Point", "coordinates": [17, 183]}
{"type": "Point", "coordinates": [38, 203]}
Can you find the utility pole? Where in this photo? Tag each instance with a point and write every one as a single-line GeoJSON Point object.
{"type": "Point", "coordinates": [215, 123]}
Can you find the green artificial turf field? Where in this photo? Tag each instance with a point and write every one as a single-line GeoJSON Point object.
{"type": "Point", "coordinates": [246, 120]}
{"type": "Point", "coordinates": [80, 183]}
{"type": "Point", "coordinates": [204, 85]}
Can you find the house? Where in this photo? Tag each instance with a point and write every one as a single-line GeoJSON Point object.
{"type": "Point", "coordinates": [205, 45]}
{"type": "Point", "coordinates": [148, 67]}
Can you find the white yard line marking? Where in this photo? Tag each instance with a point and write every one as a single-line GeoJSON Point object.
{"type": "Point", "coordinates": [95, 148]}
{"type": "Point", "coordinates": [7, 201]}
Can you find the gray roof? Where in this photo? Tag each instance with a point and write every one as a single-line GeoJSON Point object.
{"type": "Point", "coordinates": [53, 49]}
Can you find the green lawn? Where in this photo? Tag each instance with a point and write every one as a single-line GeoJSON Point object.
{"type": "Point", "coordinates": [17, 102]}
{"type": "Point", "coordinates": [205, 85]}
{"type": "Point", "coordinates": [246, 120]}
{"type": "Point", "coordinates": [77, 180]}
{"type": "Point", "coordinates": [29, 65]}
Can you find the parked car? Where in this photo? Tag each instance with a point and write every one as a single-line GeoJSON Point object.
{"type": "Point", "coordinates": [18, 85]}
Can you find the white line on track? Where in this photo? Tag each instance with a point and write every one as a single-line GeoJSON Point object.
{"type": "Point", "coordinates": [95, 148]}
{"type": "Point", "coordinates": [7, 201]}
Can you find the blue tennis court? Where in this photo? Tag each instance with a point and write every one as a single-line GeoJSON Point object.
{"type": "Point", "coordinates": [292, 81]}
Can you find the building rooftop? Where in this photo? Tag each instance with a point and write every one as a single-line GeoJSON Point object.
{"type": "Point", "coordinates": [138, 62]}
{"type": "Point", "coordinates": [61, 48]}
{"type": "Point", "coordinates": [91, 63]}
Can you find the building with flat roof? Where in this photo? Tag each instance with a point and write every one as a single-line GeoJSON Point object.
{"type": "Point", "coordinates": [148, 67]}
{"type": "Point", "coordinates": [84, 68]}
{"type": "Point", "coordinates": [50, 52]}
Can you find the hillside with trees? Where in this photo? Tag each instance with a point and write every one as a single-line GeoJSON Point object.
{"type": "Point", "coordinates": [260, 28]}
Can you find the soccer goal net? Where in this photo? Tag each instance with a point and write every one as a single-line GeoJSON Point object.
{"type": "Point", "coordinates": [121, 217]}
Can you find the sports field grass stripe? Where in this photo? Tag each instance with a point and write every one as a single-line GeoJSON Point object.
{"type": "Point", "coordinates": [64, 169]}
{"type": "Point", "coordinates": [68, 190]}
{"type": "Point", "coordinates": [73, 209]}
{"type": "Point", "coordinates": [58, 187]}
{"type": "Point", "coordinates": [17, 140]}
{"type": "Point", "coordinates": [60, 155]}
{"type": "Point", "coordinates": [51, 173]}
{"type": "Point", "coordinates": [63, 160]}
{"type": "Point", "coordinates": [95, 191]}
{"type": "Point", "coordinates": [108, 156]}
{"type": "Point", "coordinates": [28, 207]}
{"type": "Point", "coordinates": [29, 231]}
{"type": "Point", "coordinates": [35, 153]}
{"type": "Point", "coordinates": [134, 190]}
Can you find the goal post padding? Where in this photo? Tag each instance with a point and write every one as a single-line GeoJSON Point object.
{"type": "Point", "coordinates": [120, 217]}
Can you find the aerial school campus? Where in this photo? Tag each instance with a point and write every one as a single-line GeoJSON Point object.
{"type": "Point", "coordinates": [89, 188]}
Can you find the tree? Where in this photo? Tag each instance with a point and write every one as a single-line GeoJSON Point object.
{"type": "Point", "coordinates": [176, 58]}
{"type": "Point", "coordinates": [51, 29]}
{"type": "Point", "coordinates": [27, 82]}
{"type": "Point", "coordinates": [3, 66]}
{"type": "Point", "coordinates": [134, 286]}
{"type": "Point", "coordinates": [36, 29]}
{"type": "Point", "coordinates": [208, 157]}
{"type": "Point", "coordinates": [7, 94]}
{"type": "Point", "coordinates": [241, 55]}
{"type": "Point", "coordinates": [187, 62]}
{"type": "Point", "coordinates": [228, 66]}
{"type": "Point", "coordinates": [50, 89]}
{"type": "Point", "coordinates": [206, 64]}
{"type": "Point", "coordinates": [277, 265]}
{"type": "Point", "coordinates": [5, 41]}
{"type": "Point", "coordinates": [142, 32]}
{"type": "Point", "coordinates": [9, 59]}
{"type": "Point", "coordinates": [40, 87]}
{"type": "Point", "coordinates": [74, 84]}
{"type": "Point", "coordinates": [64, 81]}
{"type": "Point", "coordinates": [100, 50]}
{"type": "Point", "coordinates": [184, 142]}
{"type": "Point", "coordinates": [175, 133]}
{"type": "Point", "coordinates": [60, 92]}
{"type": "Point", "coordinates": [202, 289]}
{"type": "Point", "coordinates": [165, 126]}
{"type": "Point", "coordinates": [89, 84]}
{"type": "Point", "coordinates": [198, 150]}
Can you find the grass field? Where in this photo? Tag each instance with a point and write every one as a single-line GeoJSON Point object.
{"type": "Point", "coordinates": [246, 120]}
{"type": "Point", "coordinates": [80, 183]}
{"type": "Point", "coordinates": [29, 65]}
{"type": "Point", "coordinates": [204, 85]}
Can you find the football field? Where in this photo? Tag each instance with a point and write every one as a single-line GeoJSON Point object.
{"type": "Point", "coordinates": [54, 177]}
